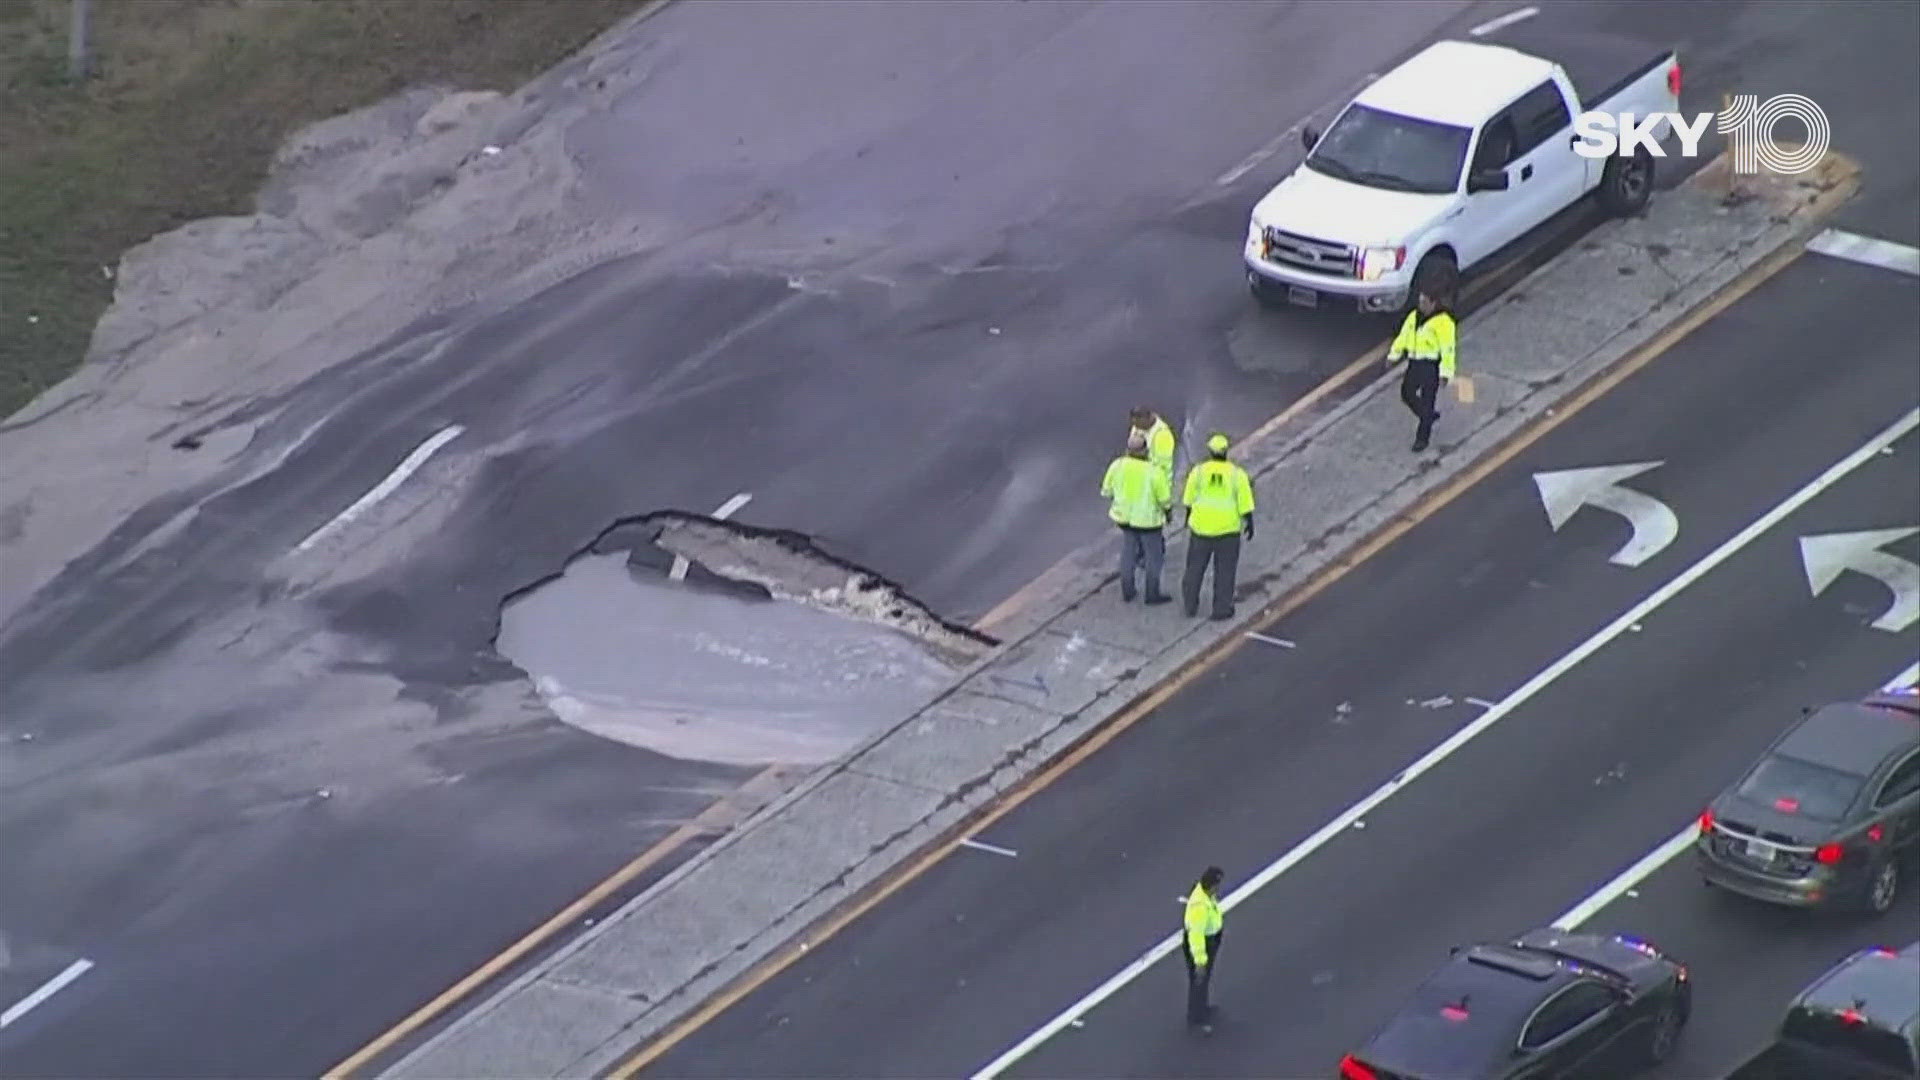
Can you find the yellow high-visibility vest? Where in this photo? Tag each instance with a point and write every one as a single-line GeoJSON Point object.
{"type": "Point", "coordinates": [1429, 340]}
{"type": "Point", "coordinates": [1219, 496]}
{"type": "Point", "coordinates": [1140, 494]}
{"type": "Point", "coordinates": [1203, 921]}
{"type": "Point", "coordinates": [1160, 444]}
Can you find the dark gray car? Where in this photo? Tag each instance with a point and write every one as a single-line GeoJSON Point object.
{"type": "Point", "coordinates": [1859, 1021]}
{"type": "Point", "coordinates": [1829, 815]}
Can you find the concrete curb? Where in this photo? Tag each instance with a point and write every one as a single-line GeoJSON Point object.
{"type": "Point", "coordinates": [711, 922]}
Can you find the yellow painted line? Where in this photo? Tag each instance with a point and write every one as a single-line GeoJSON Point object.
{"type": "Point", "coordinates": [833, 922]}
{"type": "Point", "coordinates": [1476, 288]}
{"type": "Point", "coordinates": [709, 821]}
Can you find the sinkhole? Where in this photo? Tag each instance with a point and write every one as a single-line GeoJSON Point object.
{"type": "Point", "coordinates": [758, 650]}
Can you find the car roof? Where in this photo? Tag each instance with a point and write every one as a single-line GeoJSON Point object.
{"type": "Point", "coordinates": [1853, 737]}
{"type": "Point", "coordinates": [1456, 82]}
{"type": "Point", "coordinates": [1502, 985]}
{"type": "Point", "coordinates": [1880, 983]}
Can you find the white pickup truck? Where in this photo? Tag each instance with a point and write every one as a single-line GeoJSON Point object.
{"type": "Point", "coordinates": [1447, 159]}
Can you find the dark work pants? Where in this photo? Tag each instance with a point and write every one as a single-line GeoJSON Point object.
{"type": "Point", "coordinates": [1200, 980]}
{"type": "Point", "coordinates": [1420, 389]}
{"type": "Point", "coordinates": [1141, 549]}
{"type": "Point", "coordinates": [1224, 553]}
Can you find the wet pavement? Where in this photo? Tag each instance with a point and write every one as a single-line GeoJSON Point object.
{"type": "Point", "coordinates": [622, 653]}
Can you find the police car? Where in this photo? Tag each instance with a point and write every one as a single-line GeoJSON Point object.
{"type": "Point", "coordinates": [1548, 1004]}
{"type": "Point", "coordinates": [1859, 1021]}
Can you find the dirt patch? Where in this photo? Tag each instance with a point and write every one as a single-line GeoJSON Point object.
{"type": "Point", "coordinates": [189, 102]}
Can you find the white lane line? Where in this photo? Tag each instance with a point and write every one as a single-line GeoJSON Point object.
{"type": "Point", "coordinates": [727, 510]}
{"type": "Point", "coordinates": [1632, 876]}
{"type": "Point", "coordinates": [1504, 21]}
{"type": "Point", "coordinates": [1353, 815]}
{"type": "Point", "coordinates": [995, 848]}
{"type": "Point", "coordinates": [1255, 159]}
{"type": "Point", "coordinates": [1853, 247]}
{"type": "Point", "coordinates": [386, 487]}
{"type": "Point", "coordinates": [1481, 702]}
{"type": "Point", "coordinates": [51, 987]}
{"type": "Point", "coordinates": [1282, 642]}
{"type": "Point", "coordinates": [1628, 878]}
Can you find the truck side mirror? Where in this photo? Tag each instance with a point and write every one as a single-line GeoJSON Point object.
{"type": "Point", "coordinates": [1486, 180]}
{"type": "Point", "coordinates": [1309, 136]}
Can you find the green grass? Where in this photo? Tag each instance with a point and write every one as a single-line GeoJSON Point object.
{"type": "Point", "coordinates": [188, 103]}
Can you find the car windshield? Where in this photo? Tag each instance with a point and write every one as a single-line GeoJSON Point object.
{"type": "Point", "coordinates": [1801, 788]}
{"type": "Point", "coordinates": [1385, 150]}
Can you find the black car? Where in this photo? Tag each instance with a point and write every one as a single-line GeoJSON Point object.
{"type": "Point", "coordinates": [1859, 1021]}
{"type": "Point", "coordinates": [1546, 1006]}
{"type": "Point", "coordinates": [1829, 815]}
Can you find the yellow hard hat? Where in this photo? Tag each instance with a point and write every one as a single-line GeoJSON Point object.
{"type": "Point", "coordinates": [1218, 443]}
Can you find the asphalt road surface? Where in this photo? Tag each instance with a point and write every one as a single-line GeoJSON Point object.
{"type": "Point", "coordinates": [269, 860]}
{"type": "Point", "coordinates": [1575, 783]}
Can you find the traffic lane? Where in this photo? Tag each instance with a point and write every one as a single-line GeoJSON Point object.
{"type": "Point", "coordinates": [1516, 827]}
{"type": "Point", "coordinates": [1469, 604]}
{"type": "Point", "coordinates": [948, 130]}
{"type": "Point", "coordinates": [278, 937]}
{"type": "Point", "coordinates": [1747, 960]}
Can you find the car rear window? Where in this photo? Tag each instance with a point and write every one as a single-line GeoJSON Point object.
{"type": "Point", "coordinates": [1858, 1041]}
{"type": "Point", "coordinates": [1801, 788]}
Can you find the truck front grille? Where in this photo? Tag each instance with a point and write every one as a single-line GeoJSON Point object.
{"type": "Point", "coordinates": [1311, 253]}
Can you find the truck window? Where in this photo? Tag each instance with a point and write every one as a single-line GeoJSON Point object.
{"type": "Point", "coordinates": [1540, 114]}
{"type": "Point", "coordinates": [1385, 150]}
{"type": "Point", "coordinates": [1497, 145]}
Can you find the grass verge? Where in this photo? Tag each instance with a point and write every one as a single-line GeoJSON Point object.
{"type": "Point", "coordinates": [188, 102]}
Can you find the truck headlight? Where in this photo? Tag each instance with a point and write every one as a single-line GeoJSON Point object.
{"type": "Point", "coordinates": [1375, 261]}
{"type": "Point", "coordinates": [1255, 233]}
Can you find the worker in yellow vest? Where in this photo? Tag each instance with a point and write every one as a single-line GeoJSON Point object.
{"type": "Point", "coordinates": [1426, 343]}
{"type": "Point", "coordinates": [1219, 501]}
{"type": "Point", "coordinates": [1141, 496]}
{"type": "Point", "coordinates": [1200, 945]}
{"type": "Point", "coordinates": [1160, 440]}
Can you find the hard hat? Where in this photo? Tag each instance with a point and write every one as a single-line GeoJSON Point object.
{"type": "Point", "coordinates": [1218, 443]}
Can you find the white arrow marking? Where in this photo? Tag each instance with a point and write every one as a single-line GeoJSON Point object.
{"type": "Point", "coordinates": [1654, 524]}
{"type": "Point", "coordinates": [1827, 557]}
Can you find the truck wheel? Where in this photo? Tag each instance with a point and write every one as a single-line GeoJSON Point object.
{"type": "Point", "coordinates": [1627, 184]}
{"type": "Point", "coordinates": [1439, 271]}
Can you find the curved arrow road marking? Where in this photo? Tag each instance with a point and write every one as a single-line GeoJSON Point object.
{"type": "Point", "coordinates": [1654, 524]}
{"type": "Point", "coordinates": [1828, 556]}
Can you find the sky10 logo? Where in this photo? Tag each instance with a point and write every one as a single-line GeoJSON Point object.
{"type": "Point", "coordinates": [1748, 123]}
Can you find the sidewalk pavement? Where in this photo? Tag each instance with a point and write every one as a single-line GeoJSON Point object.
{"type": "Point", "coordinates": [1078, 657]}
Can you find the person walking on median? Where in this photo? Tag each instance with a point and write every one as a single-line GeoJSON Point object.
{"type": "Point", "coordinates": [1160, 440]}
{"type": "Point", "coordinates": [1141, 496]}
{"type": "Point", "coordinates": [1219, 501]}
{"type": "Point", "coordinates": [1426, 343]}
{"type": "Point", "coordinates": [1200, 944]}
